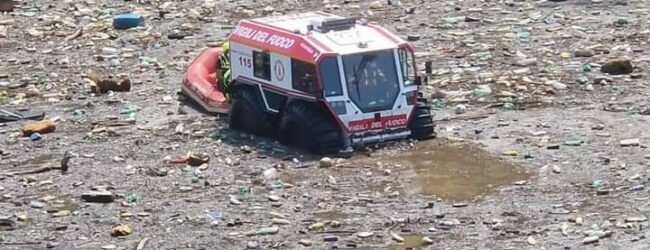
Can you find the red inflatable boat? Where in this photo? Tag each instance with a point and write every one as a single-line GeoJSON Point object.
{"type": "Point", "coordinates": [201, 81]}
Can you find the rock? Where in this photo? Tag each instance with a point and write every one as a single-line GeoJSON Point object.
{"type": "Point", "coordinates": [305, 242]}
{"type": "Point", "coordinates": [280, 221]}
{"type": "Point", "coordinates": [630, 142]}
{"type": "Point", "coordinates": [273, 198]}
{"type": "Point", "coordinates": [565, 229]}
{"type": "Point", "coordinates": [41, 127]}
{"type": "Point", "coordinates": [558, 85]}
{"type": "Point", "coordinates": [7, 224]}
{"type": "Point", "coordinates": [22, 217]}
{"type": "Point", "coordinates": [636, 219]}
{"type": "Point", "coordinates": [426, 240]}
{"type": "Point", "coordinates": [396, 237]}
{"type": "Point", "coordinates": [330, 238]}
{"type": "Point", "coordinates": [326, 162]}
{"type": "Point", "coordinates": [459, 205]}
{"type": "Point", "coordinates": [531, 241]}
{"type": "Point", "coordinates": [121, 230]}
{"type": "Point", "coordinates": [510, 153]}
{"type": "Point", "coordinates": [573, 143]}
{"type": "Point", "coordinates": [526, 62]}
{"type": "Point", "coordinates": [413, 37]}
{"type": "Point", "coordinates": [365, 234]}
{"type": "Point", "coordinates": [617, 67]}
{"type": "Point", "coordinates": [603, 191]}
{"type": "Point", "coordinates": [253, 245]}
{"type": "Point", "coordinates": [98, 197]}
{"type": "Point", "coordinates": [590, 240]}
{"type": "Point", "coordinates": [36, 204]}
{"type": "Point", "coordinates": [234, 201]}
{"type": "Point", "coordinates": [101, 86]}
{"type": "Point", "coordinates": [387, 172]}
{"type": "Point", "coordinates": [264, 231]}
{"type": "Point", "coordinates": [61, 213]}
{"type": "Point", "coordinates": [460, 109]}
{"type": "Point", "coordinates": [556, 169]}
{"type": "Point", "coordinates": [583, 53]}
{"type": "Point", "coordinates": [603, 80]}
{"type": "Point", "coordinates": [197, 160]}
{"type": "Point", "coordinates": [52, 244]}
{"type": "Point", "coordinates": [318, 226]}
{"type": "Point", "coordinates": [375, 5]}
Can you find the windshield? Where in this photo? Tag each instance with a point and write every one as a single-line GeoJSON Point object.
{"type": "Point", "coordinates": [372, 80]}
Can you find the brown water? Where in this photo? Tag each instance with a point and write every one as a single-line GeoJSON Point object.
{"type": "Point", "coordinates": [454, 172]}
{"type": "Point", "coordinates": [410, 242]}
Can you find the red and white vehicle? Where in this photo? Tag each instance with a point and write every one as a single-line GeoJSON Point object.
{"type": "Point", "coordinates": [323, 82]}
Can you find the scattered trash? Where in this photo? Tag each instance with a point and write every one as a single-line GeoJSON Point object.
{"type": "Point", "coordinates": [197, 159]}
{"type": "Point", "coordinates": [129, 110]}
{"type": "Point", "coordinates": [573, 143]}
{"type": "Point", "coordinates": [126, 21]}
{"type": "Point", "coordinates": [630, 142]}
{"type": "Point", "coordinates": [102, 86]}
{"type": "Point", "coordinates": [7, 115]}
{"type": "Point", "coordinates": [42, 127]}
{"type": "Point", "coordinates": [524, 35]}
{"type": "Point", "coordinates": [326, 162]}
{"type": "Point", "coordinates": [98, 197]}
{"type": "Point", "coordinates": [121, 230]}
{"type": "Point", "coordinates": [215, 217]}
{"type": "Point", "coordinates": [597, 184]}
{"type": "Point", "coordinates": [35, 136]}
{"type": "Point", "coordinates": [132, 198]}
{"type": "Point", "coordinates": [264, 231]}
{"type": "Point", "coordinates": [617, 67]}
{"type": "Point", "coordinates": [7, 224]}
{"type": "Point", "coordinates": [482, 91]}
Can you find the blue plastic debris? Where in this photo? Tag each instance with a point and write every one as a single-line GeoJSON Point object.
{"type": "Point", "coordinates": [126, 21]}
{"type": "Point", "coordinates": [35, 136]}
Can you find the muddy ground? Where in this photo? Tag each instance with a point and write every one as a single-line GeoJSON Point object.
{"type": "Point", "coordinates": [539, 166]}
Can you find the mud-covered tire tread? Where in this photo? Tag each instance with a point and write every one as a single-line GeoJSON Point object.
{"type": "Point", "coordinates": [321, 135]}
{"type": "Point", "coordinates": [421, 125]}
{"type": "Point", "coordinates": [245, 104]}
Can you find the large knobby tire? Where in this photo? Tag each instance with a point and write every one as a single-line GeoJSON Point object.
{"type": "Point", "coordinates": [309, 128]}
{"type": "Point", "coordinates": [421, 125]}
{"type": "Point", "coordinates": [245, 114]}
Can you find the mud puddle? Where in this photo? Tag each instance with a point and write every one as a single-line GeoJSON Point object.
{"type": "Point", "coordinates": [410, 242]}
{"type": "Point", "coordinates": [453, 172]}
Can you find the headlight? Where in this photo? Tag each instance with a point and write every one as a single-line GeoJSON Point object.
{"type": "Point", "coordinates": [339, 107]}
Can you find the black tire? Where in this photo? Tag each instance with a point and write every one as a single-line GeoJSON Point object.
{"type": "Point", "coordinates": [245, 113]}
{"type": "Point", "coordinates": [421, 125]}
{"type": "Point", "coordinates": [308, 127]}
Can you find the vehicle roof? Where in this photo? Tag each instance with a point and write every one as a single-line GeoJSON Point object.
{"type": "Point", "coordinates": [309, 45]}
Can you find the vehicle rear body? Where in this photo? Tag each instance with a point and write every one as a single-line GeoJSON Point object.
{"type": "Point", "coordinates": [364, 75]}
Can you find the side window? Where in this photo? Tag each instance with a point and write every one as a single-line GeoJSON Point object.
{"type": "Point", "coordinates": [330, 77]}
{"type": "Point", "coordinates": [406, 63]}
{"type": "Point", "coordinates": [262, 65]}
{"type": "Point", "coordinates": [303, 76]}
